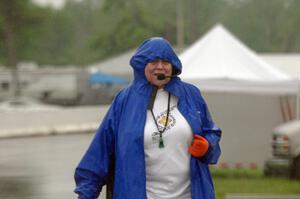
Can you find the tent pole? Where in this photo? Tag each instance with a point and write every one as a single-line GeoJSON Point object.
{"type": "Point", "coordinates": [289, 110]}
{"type": "Point", "coordinates": [282, 109]}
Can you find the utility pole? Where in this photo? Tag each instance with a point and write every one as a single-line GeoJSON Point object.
{"type": "Point", "coordinates": [193, 20]}
{"type": "Point", "coordinates": [180, 25]}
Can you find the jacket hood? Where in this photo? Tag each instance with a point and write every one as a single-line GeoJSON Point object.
{"type": "Point", "coordinates": [150, 50]}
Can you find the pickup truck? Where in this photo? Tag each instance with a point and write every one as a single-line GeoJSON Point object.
{"type": "Point", "coordinates": [286, 151]}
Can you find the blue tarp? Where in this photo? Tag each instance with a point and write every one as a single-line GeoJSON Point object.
{"type": "Point", "coordinates": [101, 78]}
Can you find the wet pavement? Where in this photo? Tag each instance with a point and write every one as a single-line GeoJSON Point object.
{"type": "Point", "coordinates": [40, 167]}
{"type": "Point", "coordinates": [65, 120]}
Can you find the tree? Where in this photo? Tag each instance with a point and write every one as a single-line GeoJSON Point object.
{"type": "Point", "coordinates": [125, 24]}
{"type": "Point", "coordinates": [265, 25]}
{"type": "Point", "coordinates": [8, 13]}
{"type": "Point", "coordinates": [291, 27]}
{"type": "Point", "coordinates": [87, 31]}
{"type": "Point", "coordinates": [15, 15]}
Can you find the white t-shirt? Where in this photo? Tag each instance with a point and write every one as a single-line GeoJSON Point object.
{"type": "Point", "coordinates": [168, 168]}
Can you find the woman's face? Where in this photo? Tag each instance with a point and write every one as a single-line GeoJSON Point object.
{"type": "Point", "coordinates": [156, 67]}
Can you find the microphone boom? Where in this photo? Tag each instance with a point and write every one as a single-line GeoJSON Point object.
{"type": "Point", "coordinates": [162, 76]}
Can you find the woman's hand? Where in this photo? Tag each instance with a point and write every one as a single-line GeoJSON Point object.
{"type": "Point", "coordinates": [199, 146]}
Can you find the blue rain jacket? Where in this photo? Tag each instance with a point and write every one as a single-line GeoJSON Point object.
{"type": "Point", "coordinates": [121, 134]}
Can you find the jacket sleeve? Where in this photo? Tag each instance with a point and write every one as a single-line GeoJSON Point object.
{"type": "Point", "coordinates": [211, 133]}
{"type": "Point", "coordinates": [92, 171]}
{"type": "Point", "coordinates": [209, 129]}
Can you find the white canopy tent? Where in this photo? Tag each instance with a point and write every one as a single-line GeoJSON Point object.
{"type": "Point", "coordinates": [220, 62]}
{"type": "Point", "coordinates": [247, 96]}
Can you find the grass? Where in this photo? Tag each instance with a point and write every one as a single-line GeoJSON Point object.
{"type": "Point", "coordinates": [251, 182]}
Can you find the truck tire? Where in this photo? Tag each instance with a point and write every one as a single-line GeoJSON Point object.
{"type": "Point", "coordinates": [295, 168]}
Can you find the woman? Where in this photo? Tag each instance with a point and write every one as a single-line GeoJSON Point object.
{"type": "Point", "coordinates": [159, 133]}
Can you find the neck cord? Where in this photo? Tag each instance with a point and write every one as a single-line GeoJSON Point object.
{"type": "Point", "coordinates": [161, 142]}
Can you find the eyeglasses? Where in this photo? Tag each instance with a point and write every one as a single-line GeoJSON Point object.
{"type": "Point", "coordinates": [159, 61]}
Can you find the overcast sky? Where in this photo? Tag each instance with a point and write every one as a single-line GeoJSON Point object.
{"type": "Point", "coordinates": [54, 3]}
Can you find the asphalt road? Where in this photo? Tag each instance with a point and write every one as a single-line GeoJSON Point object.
{"type": "Point", "coordinates": [40, 167]}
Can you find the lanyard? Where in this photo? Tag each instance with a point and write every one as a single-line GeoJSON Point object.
{"type": "Point", "coordinates": [161, 141]}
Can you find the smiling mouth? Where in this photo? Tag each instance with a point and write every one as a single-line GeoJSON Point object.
{"type": "Point", "coordinates": [156, 74]}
